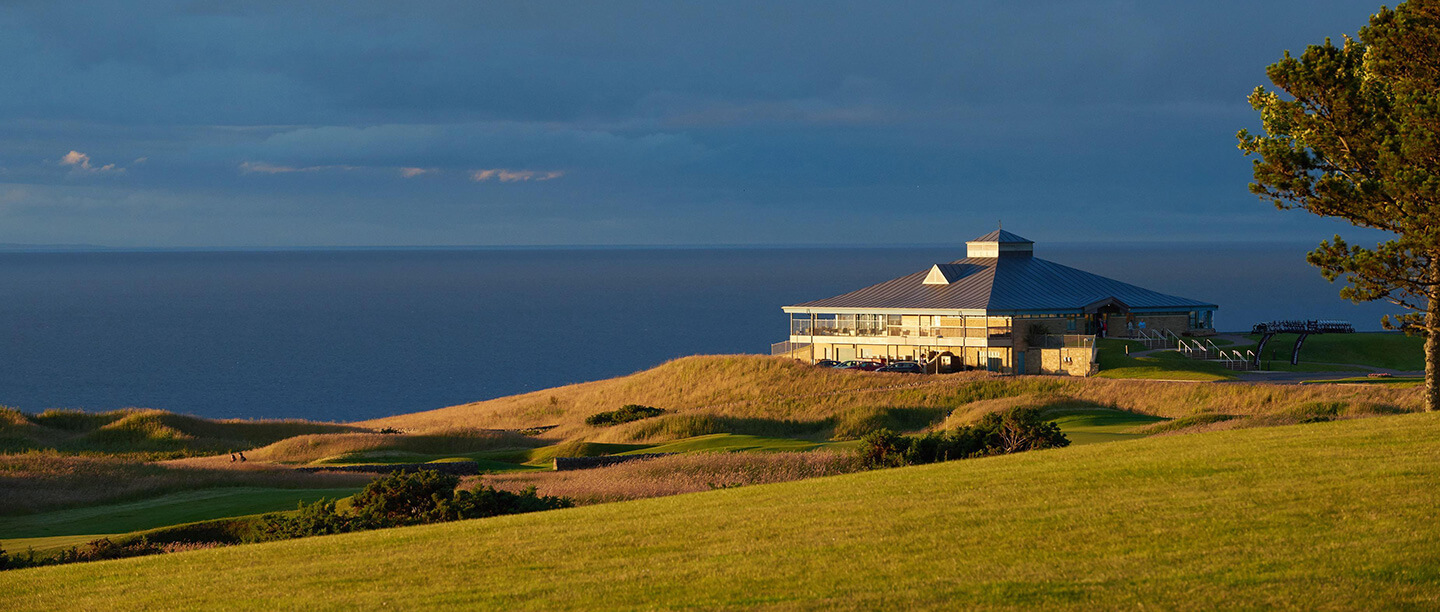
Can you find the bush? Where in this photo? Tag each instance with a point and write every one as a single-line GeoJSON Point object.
{"type": "Point", "coordinates": [626, 413]}
{"type": "Point", "coordinates": [404, 498]}
{"type": "Point", "coordinates": [1012, 431]}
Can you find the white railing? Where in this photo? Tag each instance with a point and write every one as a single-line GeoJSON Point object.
{"type": "Point", "coordinates": [1155, 340]}
{"type": "Point", "coordinates": [831, 327]}
{"type": "Point", "coordinates": [787, 347]}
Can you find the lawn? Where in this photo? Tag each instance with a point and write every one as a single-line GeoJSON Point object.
{"type": "Point", "coordinates": [79, 525]}
{"type": "Point", "coordinates": [1394, 351]}
{"type": "Point", "coordinates": [1327, 515]}
{"type": "Point", "coordinates": [1095, 426]}
{"type": "Point", "coordinates": [1164, 365]}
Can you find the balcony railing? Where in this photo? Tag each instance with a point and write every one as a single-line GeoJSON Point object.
{"type": "Point", "coordinates": [827, 327]}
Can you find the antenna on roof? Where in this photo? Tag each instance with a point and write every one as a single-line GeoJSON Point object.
{"type": "Point", "coordinates": [999, 224]}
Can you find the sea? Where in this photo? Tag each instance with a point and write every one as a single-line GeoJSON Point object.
{"type": "Point", "coordinates": [351, 334]}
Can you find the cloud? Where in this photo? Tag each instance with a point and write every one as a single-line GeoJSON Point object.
{"type": "Point", "coordinates": [414, 172]}
{"type": "Point", "coordinates": [506, 175]}
{"type": "Point", "coordinates": [80, 163]}
{"type": "Point", "coordinates": [269, 168]}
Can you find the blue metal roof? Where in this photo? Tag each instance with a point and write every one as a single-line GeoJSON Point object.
{"type": "Point", "coordinates": [1005, 284]}
{"type": "Point", "coordinates": [1000, 235]}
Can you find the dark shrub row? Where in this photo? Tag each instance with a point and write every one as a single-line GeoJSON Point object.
{"type": "Point", "coordinates": [626, 413]}
{"type": "Point", "coordinates": [402, 498]}
{"type": "Point", "coordinates": [1012, 431]}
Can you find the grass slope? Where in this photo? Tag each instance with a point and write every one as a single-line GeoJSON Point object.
{"type": "Point", "coordinates": [779, 398]}
{"type": "Point", "coordinates": [146, 432]}
{"type": "Point", "coordinates": [78, 525]}
{"type": "Point", "coordinates": [1395, 351]}
{"type": "Point", "coordinates": [1163, 365]}
{"type": "Point", "coordinates": [1329, 515]}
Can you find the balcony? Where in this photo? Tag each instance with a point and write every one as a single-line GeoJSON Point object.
{"type": "Point", "coordinates": [829, 327]}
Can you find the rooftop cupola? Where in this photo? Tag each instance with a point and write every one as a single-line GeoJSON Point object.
{"type": "Point", "coordinates": [999, 243]}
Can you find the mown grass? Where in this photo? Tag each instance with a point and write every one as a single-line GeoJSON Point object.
{"type": "Point", "coordinates": [78, 525]}
{"type": "Point", "coordinates": [1397, 381]}
{"type": "Point", "coordinates": [1394, 351]}
{"type": "Point", "coordinates": [1164, 365]}
{"type": "Point", "coordinates": [1319, 516]}
{"type": "Point", "coordinates": [40, 481]}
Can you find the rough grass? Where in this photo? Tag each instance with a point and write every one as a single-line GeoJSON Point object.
{"type": "Point", "coordinates": [677, 474]}
{"type": "Point", "coordinates": [37, 481]}
{"type": "Point", "coordinates": [776, 397]}
{"type": "Point", "coordinates": [361, 447]}
{"type": "Point", "coordinates": [143, 432]}
{"type": "Point", "coordinates": [1319, 516]}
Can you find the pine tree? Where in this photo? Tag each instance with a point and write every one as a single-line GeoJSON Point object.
{"type": "Point", "coordinates": [1357, 136]}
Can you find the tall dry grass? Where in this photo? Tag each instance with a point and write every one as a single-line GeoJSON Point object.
{"type": "Point", "coordinates": [774, 396]}
{"type": "Point", "coordinates": [145, 432]}
{"type": "Point", "coordinates": [45, 480]}
{"type": "Point", "coordinates": [675, 474]}
{"type": "Point", "coordinates": [315, 447]}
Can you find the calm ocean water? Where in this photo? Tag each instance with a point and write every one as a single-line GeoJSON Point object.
{"type": "Point", "coordinates": [354, 334]}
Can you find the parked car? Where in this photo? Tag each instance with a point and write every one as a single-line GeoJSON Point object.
{"type": "Point", "coordinates": [908, 367]}
{"type": "Point", "coordinates": [855, 364]}
{"type": "Point", "coordinates": [828, 363]}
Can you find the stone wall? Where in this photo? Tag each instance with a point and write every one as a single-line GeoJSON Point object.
{"type": "Point", "coordinates": [1062, 361]}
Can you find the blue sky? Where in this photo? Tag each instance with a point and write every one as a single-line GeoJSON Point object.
{"type": "Point", "coordinates": [276, 124]}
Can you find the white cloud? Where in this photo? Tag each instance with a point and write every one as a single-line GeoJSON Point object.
{"type": "Point", "coordinates": [506, 175]}
{"type": "Point", "coordinates": [414, 172]}
{"type": "Point", "coordinates": [80, 163]}
{"type": "Point", "coordinates": [269, 168]}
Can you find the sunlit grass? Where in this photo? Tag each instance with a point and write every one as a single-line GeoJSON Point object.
{"type": "Point", "coordinates": [1328, 515]}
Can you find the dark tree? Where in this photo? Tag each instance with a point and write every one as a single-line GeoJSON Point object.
{"type": "Point", "coordinates": [1357, 136]}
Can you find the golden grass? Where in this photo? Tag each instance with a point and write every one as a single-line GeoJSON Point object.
{"type": "Point", "coordinates": [36, 481]}
{"type": "Point", "coordinates": [317, 447]}
{"type": "Point", "coordinates": [145, 431]}
{"type": "Point", "coordinates": [774, 396]}
{"type": "Point", "coordinates": [676, 474]}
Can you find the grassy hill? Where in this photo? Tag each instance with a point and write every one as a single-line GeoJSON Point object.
{"type": "Point", "coordinates": [145, 432]}
{"type": "Point", "coordinates": [774, 397]}
{"type": "Point", "coordinates": [1324, 515]}
{"type": "Point", "coordinates": [1394, 351]}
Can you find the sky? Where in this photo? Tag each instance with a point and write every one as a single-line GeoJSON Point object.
{"type": "Point", "coordinates": [297, 124]}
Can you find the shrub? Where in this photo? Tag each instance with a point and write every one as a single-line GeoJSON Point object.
{"type": "Point", "coordinates": [626, 413]}
{"type": "Point", "coordinates": [318, 518]}
{"type": "Point", "coordinates": [404, 498]}
{"type": "Point", "coordinates": [1012, 431]}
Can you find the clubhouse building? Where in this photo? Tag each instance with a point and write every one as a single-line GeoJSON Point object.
{"type": "Point", "coordinates": [1000, 309]}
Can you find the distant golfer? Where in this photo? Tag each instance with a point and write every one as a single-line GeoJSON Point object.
{"type": "Point", "coordinates": [232, 457]}
{"type": "Point", "coordinates": [242, 456]}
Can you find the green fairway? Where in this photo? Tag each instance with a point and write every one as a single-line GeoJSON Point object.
{"type": "Point", "coordinates": [1164, 365]}
{"type": "Point", "coordinates": [1328, 515]}
{"type": "Point", "coordinates": [1398, 381]}
{"type": "Point", "coordinates": [1395, 351]}
{"type": "Point", "coordinates": [78, 525]}
{"type": "Point", "coordinates": [1090, 427]}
